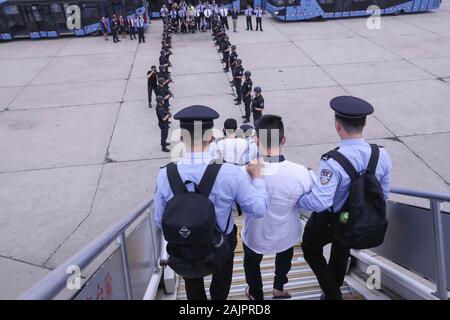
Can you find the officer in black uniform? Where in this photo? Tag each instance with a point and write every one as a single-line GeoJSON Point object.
{"type": "Point", "coordinates": [258, 104]}
{"type": "Point", "coordinates": [233, 58]}
{"type": "Point", "coordinates": [163, 122]}
{"type": "Point", "coordinates": [247, 95]}
{"type": "Point", "coordinates": [238, 75]}
{"type": "Point", "coordinates": [226, 54]}
{"type": "Point", "coordinates": [152, 83]}
{"type": "Point", "coordinates": [164, 92]}
{"type": "Point", "coordinates": [164, 61]}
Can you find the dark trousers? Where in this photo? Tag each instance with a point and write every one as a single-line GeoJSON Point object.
{"type": "Point", "coordinates": [197, 23]}
{"type": "Point", "coordinates": [257, 115]}
{"type": "Point", "coordinates": [221, 280]}
{"type": "Point", "coordinates": [259, 23]}
{"type": "Point", "coordinates": [141, 35]}
{"type": "Point", "coordinates": [252, 268]}
{"type": "Point", "coordinates": [319, 232]}
{"type": "Point", "coordinates": [249, 23]}
{"type": "Point", "coordinates": [238, 86]}
{"type": "Point", "coordinates": [164, 134]}
{"type": "Point", "coordinates": [247, 103]}
{"type": "Point", "coordinates": [224, 21]}
{"type": "Point", "coordinates": [151, 89]}
{"type": "Point", "coordinates": [132, 33]}
{"type": "Point", "coordinates": [115, 37]}
{"type": "Point", "coordinates": [226, 58]}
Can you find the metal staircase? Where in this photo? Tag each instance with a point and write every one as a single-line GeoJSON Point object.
{"type": "Point", "coordinates": [302, 283]}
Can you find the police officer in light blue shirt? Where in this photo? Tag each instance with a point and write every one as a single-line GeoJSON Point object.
{"type": "Point", "coordinates": [230, 186]}
{"type": "Point", "coordinates": [331, 191]}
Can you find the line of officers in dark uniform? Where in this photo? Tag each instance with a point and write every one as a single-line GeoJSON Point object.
{"type": "Point", "coordinates": [253, 104]}
{"type": "Point", "coordinates": [158, 82]}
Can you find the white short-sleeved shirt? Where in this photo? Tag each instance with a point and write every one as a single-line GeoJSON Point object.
{"type": "Point", "coordinates": [232, 150]}
{"type": "Point", "coordinates": [280, 229]}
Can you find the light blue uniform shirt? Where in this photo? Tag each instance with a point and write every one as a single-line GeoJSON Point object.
{"type": "Point", "coordinates": [332, 186]}
{"type": "Point", "coordinates": [230, 186]}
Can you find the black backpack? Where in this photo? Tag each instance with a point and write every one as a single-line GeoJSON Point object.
{"type": "Point", "coordinates": [362, 222]}
{"type": "Point", "coordinates": [196, 245]}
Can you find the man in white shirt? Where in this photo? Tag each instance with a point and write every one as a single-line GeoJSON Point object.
{"type": "Point", "coordinates": [258, 13]}
{"type": "Point", "coordinates": [280, 229]}
{"type": "Point", "coordinates": [247, 132]}
{"type": "Point", "coordinates": [224, 16]}
{"type": "Point", "coordinates": [231, 149]}
{"type": "Point", "coordinates": [248, 17]}
{"type": "Point", "coordinates": [207, 12]}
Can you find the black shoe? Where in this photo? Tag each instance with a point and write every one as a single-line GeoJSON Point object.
{"type": "Point", "coordinates": [150, 105]}
{"type": "Point", "coordinates": [165, 149]}
{"type": "Point", "coordinates": [237, 103]}
{"type": "Point", "coordinates": [244, 117]}
{"type": "Point", "coordinates": [226, 70]}
{"type": "Point", "coordinates": [246, 121]}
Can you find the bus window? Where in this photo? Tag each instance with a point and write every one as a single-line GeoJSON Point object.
{"type": "Point", "coordinates": [383, 4]}
{"type": "Point", "coordinates": [90, 13]}
{"type": "Point", "coordinates": [155, 6]}
{"type": "Point", "coordinates": [15, 20]}
{"type": "Point", "coordinates": [361, 5]}
{"type": "Point", "coordinates": [327, 5]}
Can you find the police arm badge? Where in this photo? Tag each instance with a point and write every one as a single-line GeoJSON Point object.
{"type": "Point", "coordinates": [325, 176]}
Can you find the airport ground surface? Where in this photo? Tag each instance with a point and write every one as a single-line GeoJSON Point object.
{"type": "Point", "coordinates": [80, 147]}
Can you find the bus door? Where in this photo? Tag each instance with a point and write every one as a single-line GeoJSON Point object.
{"type": "Point", "coordinates": [29, 14]}
{"type": "Point", "coordinates": [46, 22]}
{"type": "Point", "coordinates": [5, 34]}
{"type": "Point", "coordinates": [16, 22]}
{"type": "Point", "coordinates": [59, 18]}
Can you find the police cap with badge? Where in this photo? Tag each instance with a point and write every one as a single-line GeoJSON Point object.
{"type": "Point", "coordinates": [348, 109]}
{"type": "Point", "coordinates": [192, 115]}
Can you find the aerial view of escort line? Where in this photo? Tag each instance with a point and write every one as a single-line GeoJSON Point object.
{"type": "Point", "coordinates": [48, 18]}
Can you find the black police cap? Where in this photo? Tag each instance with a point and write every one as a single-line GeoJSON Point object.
{"type": "Point", "coordinates": [196, 113]}
{"type": "Point", "coordinates": [348, 107]}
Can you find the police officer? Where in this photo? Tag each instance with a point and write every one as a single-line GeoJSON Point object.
{"type": "Point", "coordinates": [238, 75]}
{"type": "Point", "coordinates": [163, 91]}
{"type": "Point", "coordinates": [163, 122]}
{"type": "Point", "coordinates": [258, 104]}
{"type": "Point", "coordinates": [164, 61]}
{"type": "Point", "coordinates": [115, 29]}
{"type": "Point", "coordinates": [247, 95]}
{"type": "Point", "coordinates": [152, 83]}
{"type": "Point", "coordinates": [329, 194]}
{"type": "Point", "coordinates": [230, 186]}
{"type": "Point", "coordinates": [226, 49]}
{"type": "Point", "coordinates": [233, 58]}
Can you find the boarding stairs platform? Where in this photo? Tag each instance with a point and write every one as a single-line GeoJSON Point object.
{"type": "Point", "coordinates": [128, 261]}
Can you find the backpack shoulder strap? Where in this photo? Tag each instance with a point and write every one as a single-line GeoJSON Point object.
{"type": "Point", "coordinates": [344, 163]}
{"type": "Point", "coordinates": [372, 166]}
{"type": "Point", "coordinates": [209, 177]}
{"type": "Point", "coordinates": [175, 181]}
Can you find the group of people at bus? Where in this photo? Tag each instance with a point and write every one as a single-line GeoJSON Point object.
{"type": "Point", "coordinates": [119, 26]}
{"type": "Point", "coordinates": [186, 18]}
